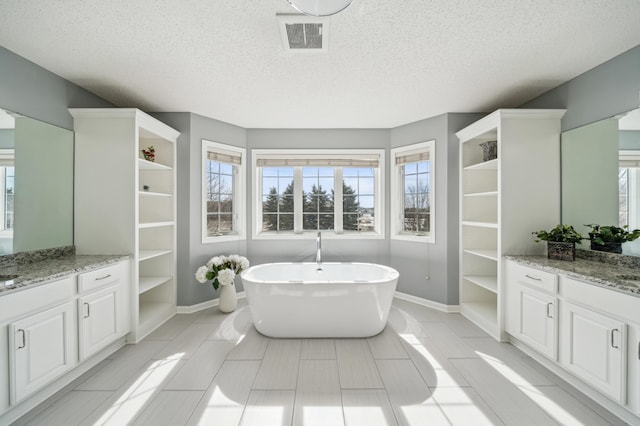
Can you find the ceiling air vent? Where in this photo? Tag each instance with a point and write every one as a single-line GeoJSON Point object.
{"type": "Point", "coordinates": [303, 34]}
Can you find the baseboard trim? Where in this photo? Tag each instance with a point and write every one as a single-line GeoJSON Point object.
{"type": "Point", "coordinates": [450, 309]}
{"type": "Point", "coordinates": [204, 305]}
{"type": "Point", "coordinates": [403, 296]}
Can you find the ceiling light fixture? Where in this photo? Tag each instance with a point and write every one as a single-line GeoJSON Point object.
{"type": "Point", "coordinates": [320, 7]}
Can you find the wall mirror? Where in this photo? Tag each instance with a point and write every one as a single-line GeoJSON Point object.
{"type": "Point", "coordinates": [601, 175]}
{"type": "Point", "coordinates": [36, 184]}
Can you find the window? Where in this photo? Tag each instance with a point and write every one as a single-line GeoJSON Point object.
{"type": "Point", "coordinates": [307, 191]}
{"type": "Point", "coordinates": [7, 188]}
{"type": "Point", "coordinates": [413, 183]}
{"type": "Point", "coordinates": [629, 188]}
{"type": "Point", "coordinates": [223, 192]}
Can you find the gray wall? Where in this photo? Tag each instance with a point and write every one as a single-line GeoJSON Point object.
{"type": "Point", "coordinates": [439, 261]}
{"type": "Point", "coordinates": [33, 91]}
{"type": "Point", "coordinates": [191, 252]}
{"type": "Point", "coordinates": [602, 92]}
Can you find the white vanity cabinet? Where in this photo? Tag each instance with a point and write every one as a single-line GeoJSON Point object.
{"type": "Point", "coordinates": [42, 348]}
{"type": "Point", "coordinates": [532, 308]}
{"type": "Point", "coordinates": [589, 334]}
{"type": "Point", "coordinates": [52, 332]}
{"type": "Point", "coordinates": [103, 308]}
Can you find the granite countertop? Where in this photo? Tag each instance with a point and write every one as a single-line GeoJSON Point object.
{"type": "Point", "coordinates": [611, 276]}
{"type": "Point", "coordinates": [34, 274]}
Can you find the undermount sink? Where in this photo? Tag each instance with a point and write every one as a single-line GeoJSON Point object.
{"type": "Point", "coordinates": [629, 277]}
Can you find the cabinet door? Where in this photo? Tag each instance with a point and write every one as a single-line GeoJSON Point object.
{"type": "Point", "coordinates": [98, 318]}
{"type": "Point", "coordinates": [594, 348]}
{"type": "Point", "coordinates": [536, 321]}
{"type": "Point", "coordinates": [43, 347]}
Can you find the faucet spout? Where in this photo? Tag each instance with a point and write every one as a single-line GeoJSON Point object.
{"type": "Point", "coordinates": [319, 251]}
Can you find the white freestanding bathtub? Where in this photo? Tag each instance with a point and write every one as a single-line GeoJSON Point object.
{"type": "Point", "coordinates": [341, 300]}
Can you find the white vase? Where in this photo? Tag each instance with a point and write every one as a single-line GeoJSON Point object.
{"type": "Point", "coordinates": [228, 299]}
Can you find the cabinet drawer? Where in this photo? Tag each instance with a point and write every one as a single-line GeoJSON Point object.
{"type": "Point", "coordinates": [15, 305]}
{"type": "Point", "coordinates": [531, 277]}
{"type": "Point", "coordinates": [99, 278]}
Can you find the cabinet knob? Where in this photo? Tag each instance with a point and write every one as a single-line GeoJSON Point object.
{"type": "Point", "coordinates": [88, 310]}
{"type": "Point", "coordinates": [533, 278]}
{"type": "Point", "coordinates": [549, 305]}
{"type": "Point", "coordinates": [103, 278]}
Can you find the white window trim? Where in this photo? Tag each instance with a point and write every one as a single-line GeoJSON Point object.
{"type": "Point", "coordinates": [239, 198]}
{"type": "Point", "coordinates": [256, 195]}
{"type": "Point", "coordinates": [397, 193]}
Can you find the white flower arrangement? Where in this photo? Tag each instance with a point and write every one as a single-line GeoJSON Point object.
{"type": "Point", "coordinates": [222, 269]}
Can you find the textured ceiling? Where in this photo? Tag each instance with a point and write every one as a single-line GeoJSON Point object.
{"type": "Point", "coordinates": [388, 63]}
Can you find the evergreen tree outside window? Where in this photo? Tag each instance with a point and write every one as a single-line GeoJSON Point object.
{"type": "Point", "coordinates": [306, 193]}
{"type": "Point", "coordinates": [277, 205]}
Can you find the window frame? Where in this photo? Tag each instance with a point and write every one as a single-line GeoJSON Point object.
{"type": "Point", "coordinates": [397, 193]}
{"type": "Point", "coordinates": [238, 192]}
{"type": "Point", "coordinates": [379, 189]}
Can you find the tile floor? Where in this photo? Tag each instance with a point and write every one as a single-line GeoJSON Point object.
{"type": "Point", "coordinates": [425, 368]}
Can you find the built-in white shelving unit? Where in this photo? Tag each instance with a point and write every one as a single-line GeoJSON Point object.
{"type": "Point", "coordinates": [502, 201]}
{"type": "Point", "coordinates": [125, 204]}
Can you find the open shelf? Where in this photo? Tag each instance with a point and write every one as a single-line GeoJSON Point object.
{"type": "Point", "coordinates": [155, 224]}
{"type": "Point", "coordinates": [150, 254]}
{"type": "Point", "coordinates": [152, 315]}
{"type": "Point", "coordinates": [488, 282]}
{"type": "Point", "coordinates": [482, 194]}
{"type": "Point", "coordinates": [483, 314]}
{"type": "Point", "coordinates": [153, 194]}
{"type": "Point", "coordinates": [150, 165]}
{"type": "Point", "coordinates": [485, 165]}
{"type": "Point", "coordinates": [487, 254]}
{"type": "Point", "coordinates": [147, 282]}
{"type": "Point", "coordinates": [480, 224]}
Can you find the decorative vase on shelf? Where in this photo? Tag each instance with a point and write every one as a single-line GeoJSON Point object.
{"type": "Point", "coordinates": [228, 299]}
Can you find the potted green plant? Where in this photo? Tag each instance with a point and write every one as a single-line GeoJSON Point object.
{"type": "Point", "coordinates": [609, 238]}
{"type": "Point", "coordinates": [561, 241]}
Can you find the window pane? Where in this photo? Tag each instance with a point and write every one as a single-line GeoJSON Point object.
{"type": "Point", "coordinates": [366, 201]}
{"type": "Point", "coordinates": [367, 186]}
{"type": "Point", "coordinates": [219, 193]}
{"type": "Point", "coordinates": [226, 204]}
{"type": "Point", "coordinates": [310, 221]}
{"type": "Point", "coordinates": [270, 203]}
{"type": "Point", "coordinates": [269, 222]}
{"type": "Point", "coordinates": [269, 184]}
{"type": "Point", "coordinates": [326, 221]}
{"type": "Point", "coordinates": [350, 222]}
{"type": "Point", "coordinates": [410, 168]}
{"type": "Point", "coordinates": [416, 186]}
{"type": "Point", "coordinates": [226, 168]}
{"type": "Point", "coordinates": [286, 204]}
{"type": "Point", "coordinates": [285, 222]}
{"type": "Point", "coordinates": [325, 203]}
{"type": "Point", "coordinates": [424, 167]}
{"type": "Point", "coordinates": [285, 186]}
{"type": "Point", "coordinates": [310, 204]}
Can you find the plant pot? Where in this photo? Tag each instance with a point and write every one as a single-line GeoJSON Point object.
{"type": "Point", "coordinates": [610, 247]}
{"type": "Point", "coordinates": [228, 300]}
{"type": "Point", "coordinates": [561, 251]}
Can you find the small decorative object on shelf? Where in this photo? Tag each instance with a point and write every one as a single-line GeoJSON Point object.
{"type": "Point", "coordinates": [561, 241]}
{"type": "Point", "coordinates": [149, 153]}
{"type": "Point", "coordinates": [145, 187]}
{"type": "Point", "coordinates": [610, 238]}
{"type": "Point", "coordinates": [489, 150]}
{"type": "Point", "coordinates": [222, 270]}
